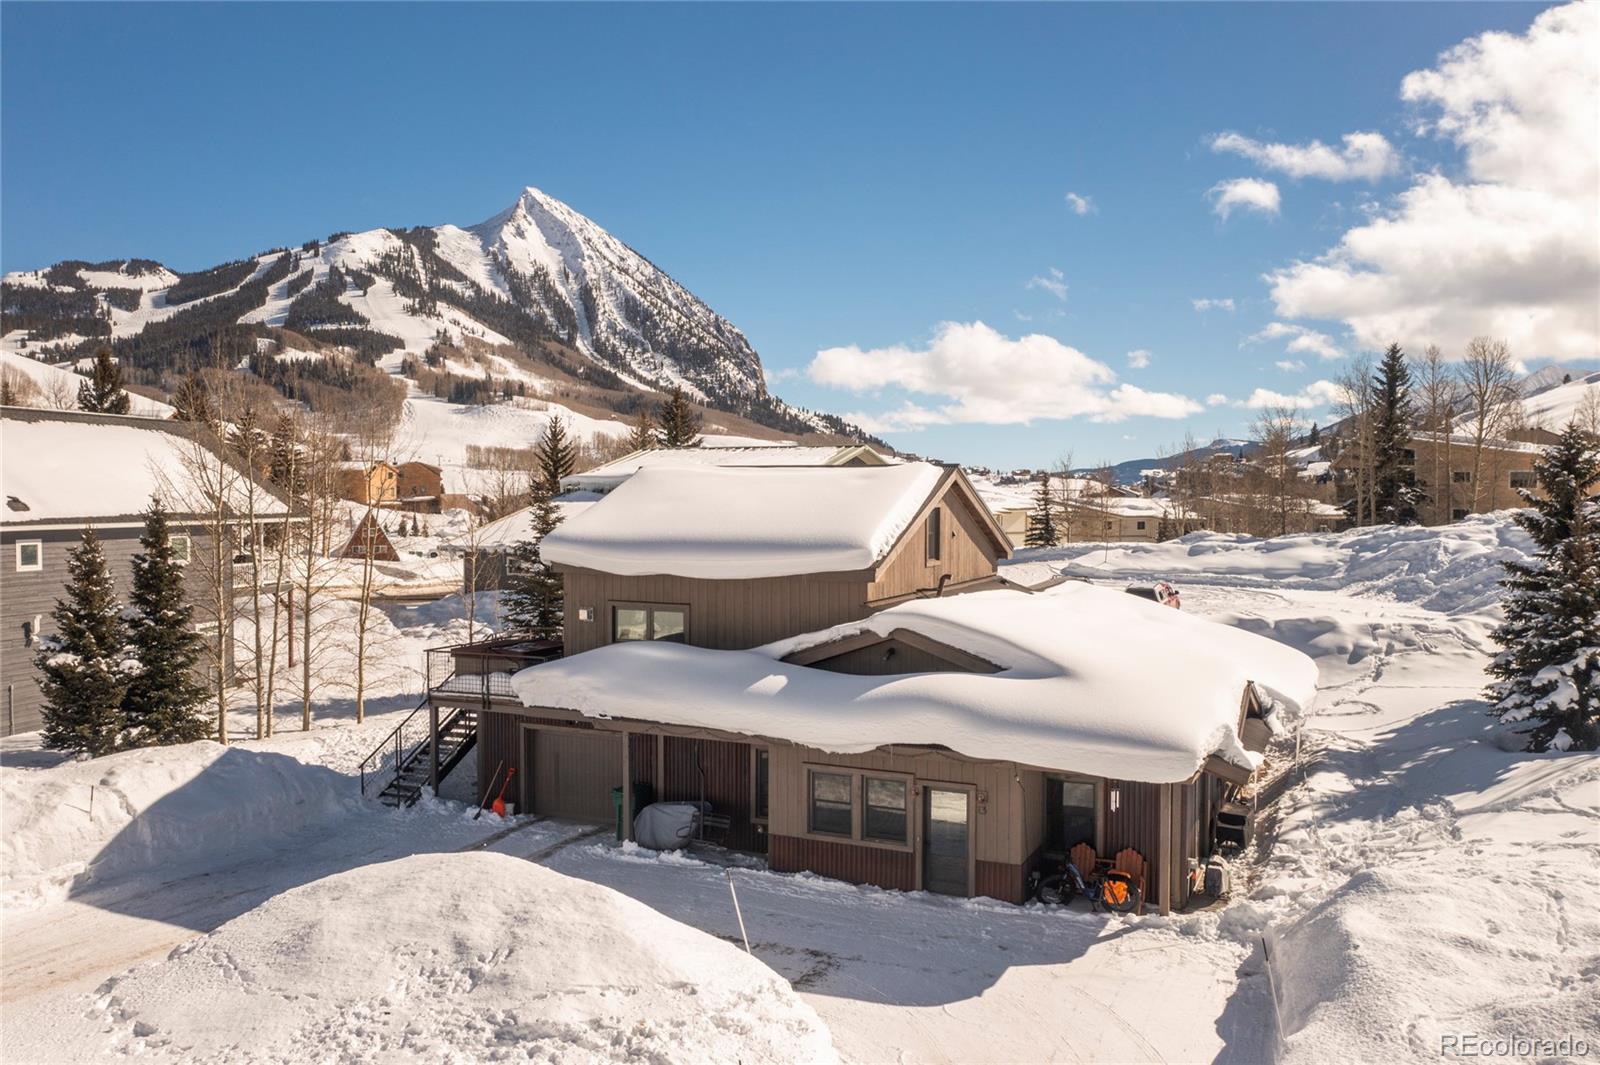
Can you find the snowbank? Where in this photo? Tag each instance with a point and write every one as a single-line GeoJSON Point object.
{"type": "Point", "coordinates": [1091, 679]}
{"type": "Point", "coordinates": [84, 823]}
{"type": "Point", "coordinates": [1447, 568]}
{"type": "Point", "coordinates": [460, 958]}
{"type": "Point", "coordinates": [770, 522]}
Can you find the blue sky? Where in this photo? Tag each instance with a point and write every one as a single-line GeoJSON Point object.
{"type": "Point", "coordinates": [831, 178]}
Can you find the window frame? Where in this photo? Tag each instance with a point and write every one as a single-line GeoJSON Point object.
{"type": "Point", "coordinates": [649, 618]}
{"type": "Point", "coordinates": [1460, 476]}
{"type": "Point", "coordinates": [1139, 526]}
{"type": "Point", "coordinates": [188, 547]}
{"type": "Point", "coordinates": [811, 803]}
{"type": "Point", "coordinates": [866, 780]}
{"type": "Point", "coordinates": [1053, 793]}
{"type": "Point", "coordinates": [933, 537]}
{"type": "Point", "coordinates": [38, 556]}
{"type": "Point", "coordinates": [1530, 479]}
{"type": "Point", "coordinates": [858, 794]}
{"type": "Point", "coordinates": [761, 802]}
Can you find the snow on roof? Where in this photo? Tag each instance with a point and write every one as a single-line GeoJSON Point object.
{"type": "Point", "coordinates": [66, 466]}
{"type": "Point", "coordinates": [507, 532]}
{"type": "Point", "coordinates": [613, 473]}
{"type": "Point", "coordinates": [730, 523]}
{"type": "Point", "coordinates": [1093, 680]}
{"type": "Point", "coordinates": [49, 377]}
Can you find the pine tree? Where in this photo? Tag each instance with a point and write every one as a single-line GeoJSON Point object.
{"type": "Point", "coordinates": [1394, 491]}
{"type": "Point", "coordinates": [192, 401]}
{"type": "Point", "coordinates": [533, 601]}
{"type": "Point", "coordinates": [643, 435]}
{"type": "Point", "coordinates": [85, 666]}
{"type": "Point", "coordinates": [1549, 671]}
{"type": "Point", "coordinates": [8, 395]}
{"type": "Point", "coordinates": [163, 701]}
{"type": "Point", "coordinates": [102, 393]}
{"type": "Point", "coordinates": [1042, 530]}
{"type": "Point", "coordinates": [677, 422]}
{"type": "Point", "coordinates": [556, 454]}
{"type": "Point", "coordinates": [285, 464]}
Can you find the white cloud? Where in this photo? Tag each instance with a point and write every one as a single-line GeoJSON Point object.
{"type": "Point", "coordinates": [1080, 205]}
{"type": "Point", "coordinates": [1508, 248]}
{"type": "Point", "coordinates": [1364, 157]}
{"type": "Point", "coordinates": [1216, 399]}
{"type": "Point", "coordinates": [1138, 359]}
{"type": "Point", "coordinates": [1289, 365]}
{"type": "Point", "coordinates": [1204, 305]}
{"type": "Point", "coordinates": [1246, 193]}
{"type": "Point", "coordinates": [1301, 340]}
{"type": "Point", "coordinates": [1316, 394]}
{"type": "Point", "coordinates": [989, 378]}
{"type": "Point", "coordinates": [1055, 284]}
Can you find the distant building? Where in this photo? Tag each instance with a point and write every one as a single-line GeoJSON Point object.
{"type": "Point", "coordinates": [369, 483]}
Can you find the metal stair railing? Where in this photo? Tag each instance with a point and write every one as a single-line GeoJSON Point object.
{"type": "Point", "coordinates": [410, 746]}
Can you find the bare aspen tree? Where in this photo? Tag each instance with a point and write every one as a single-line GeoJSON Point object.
{"type": "Point", "coordinates": [1067, 508]}
{"type": "Point", "coordinates": [1274, 433]}
{"type": "Point", "coordinates": [1439, 391]}
{"type": "Point", "coordinates": [249, 444]}
{"type": "Point", "coordinates": [1493, 401]}
{"type": "Point", "coordinates": [320, 451]}
{"type": "Point", "coordinates": [1357, 405]}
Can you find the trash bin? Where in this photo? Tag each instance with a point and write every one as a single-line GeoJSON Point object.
{"type": "Point", "coordinates": [616, 806]}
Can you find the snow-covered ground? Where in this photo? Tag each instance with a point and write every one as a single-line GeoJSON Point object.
{"type": "Point", "coordinates": [1415, 877]}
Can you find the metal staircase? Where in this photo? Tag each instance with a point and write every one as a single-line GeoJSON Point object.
{"type": "Point", "coordinates": [404, 761]}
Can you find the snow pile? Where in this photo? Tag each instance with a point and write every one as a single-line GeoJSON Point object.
{"type": "Point", "coordinates": [459, 957]}
{"type": "Point", "coordinates": [1449, 568]}
{"type": "Point", "coordinates": [82, 824]}
{"type": "Point", "coordinates": [605, 477]}
{"type": "Point", "coordinates": [1091, 679]}
{"type": "Point", "coordinates": [771, 522]}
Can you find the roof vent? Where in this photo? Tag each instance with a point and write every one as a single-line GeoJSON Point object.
{"type": "Point", "coordinates": [13, 503]}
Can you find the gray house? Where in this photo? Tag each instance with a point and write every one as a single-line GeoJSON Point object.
{"type": "Point", "coordinates": [62, 472]}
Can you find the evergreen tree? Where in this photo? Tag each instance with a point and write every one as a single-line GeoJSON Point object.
{"type": "Point", "coordinates": [102, 393]}
{"type": "Point", "coordinates": [1549, 671]}
{"type": "Point", "coordinates": [1042, 530]}
{"type": "Point", "coordinates": [1394, 483]}
{"type": "Point", "coordinates": [163, 700]}
{"type": "Point", "coordinates": [1315, 436]}
{"type": "Point", "coordinates": [285, 465]}
{"type": "Point", "coordinates": [556, 454]}
{"type": "Point", "coordinates": [8, 395]}
{"type": "Point", "coordinates": [677, 422]}
{"type": "Point", "coordinates": [643, 435]}
{"type": "Point", "coordinates": [533, 601]}
{"type": "Point", "coordinates": [192, 401]}
{"type": "Point", "coordinates": [85, 666]}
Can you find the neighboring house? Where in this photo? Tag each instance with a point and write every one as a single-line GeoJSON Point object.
{"type": "Point", "coordinates": [419, 487]}
{"type": "Point", "coordinates": [1120, 519]}
{"type": "Point", "coordinates": [1456, 478]}
{"type": "Point", "coordinates": [604, 478]}
{"type": "Point", "coordinates": [828, 658]}
{"type": "Point", "coordinates": [369, 483]}
{"type": "Point", "coordinates": [62, 472]}
{"type": "Point", "coordinates": [368, 538]}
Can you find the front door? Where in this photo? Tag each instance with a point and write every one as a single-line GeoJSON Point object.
{"type": "Point", "coordinates": [946, 840]}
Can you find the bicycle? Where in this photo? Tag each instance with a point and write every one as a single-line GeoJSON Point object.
{"type": "Point", "coordinates": [1111, 890]}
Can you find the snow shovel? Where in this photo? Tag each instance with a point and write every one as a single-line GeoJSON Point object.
{"type": "Point", "coordinates": [499, 806]}
{"type": "Point", "coordinates": [489, 789]}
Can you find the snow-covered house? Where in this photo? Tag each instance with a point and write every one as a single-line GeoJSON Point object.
{"type": "Point", "coordinates": [603, 478]}
{"type": "Point", "coordinates": [827, 657]}
{"type": "Point", "coordinates": [60, 473]}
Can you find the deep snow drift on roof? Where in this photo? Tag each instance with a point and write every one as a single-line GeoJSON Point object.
{"type": "Point", "coordinates": [726, 524]}
{"type": "Point", "coordinates": [1092, 680]}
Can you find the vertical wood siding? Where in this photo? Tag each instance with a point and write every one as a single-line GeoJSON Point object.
{"type": "Point", "coordinates": [966, 554]}
{"type": "Point", "coordinates": [1137, 824]}
{"type": "Point", "coordinates": [725, 784]}
{"type": "Point", "coordinates": [880, 866]}
{"type": "Point", "coordinates": [642, 759]}
{"type": "Point", "coordinates": [998, 880]}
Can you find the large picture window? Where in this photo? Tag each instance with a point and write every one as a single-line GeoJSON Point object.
{"type": "Point", "coordinates": [832, 813]}
{"type": "Point", "coordinates": [645, 622]}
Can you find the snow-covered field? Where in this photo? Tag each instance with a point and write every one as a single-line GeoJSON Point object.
{"type": "Point", "coordinates": [1414, 877]}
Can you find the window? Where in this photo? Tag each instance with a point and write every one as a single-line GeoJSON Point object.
{"type": "Point", "coordinates": [1461, 476]}
{"type": "Point", "coordinates": [763, 788]}
{"type": "Point", "coordinates": [1458, 513]}
{"type": "Point", "coordinates": [1139, 525]}
{"type": "Point", "coordinates": [30, 555]}
{"type": "Point", "coordinates": [648, 623]}
{"type": "Point", "coordinates": [180, 548]}
{"type": "Point", "coordinates": [935, 534]}
{"type": "Point", "coordinates": [1070, 813]}
{"type": "Point", "coordinates": [831, 810]}
{"type": "Point", "coordinates": [884, 811]}
{"type": "Point", "coordinates": [1408, 455]}
{"type": "Point", "coordinates": [1522, 479]}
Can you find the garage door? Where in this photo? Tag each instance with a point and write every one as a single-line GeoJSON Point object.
{"type": "Point", "coordinates": [573, 773]}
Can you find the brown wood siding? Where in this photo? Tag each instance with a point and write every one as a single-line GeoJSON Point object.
{"type": "Point", "coordinates": [1135, 823]}
{"type": "Point", "coordinates": [887, 658]}
{"type": "Point", "coordinates": [880, 866]}
{"type": "Point", "coordinates": [497, 744]}
{"type": "Point", "coordinates": [725, 784]}
{"type": "Point", "coordinates": [727, 615]}
{"type": "Point", "coordinates": [967, 553]}
{"type": "Point", "coordinates": [997, 880]}
{"type": "Point", "coordinates": [642, 759]}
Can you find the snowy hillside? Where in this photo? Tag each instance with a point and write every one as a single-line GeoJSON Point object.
{"type": "Point", "coordinates": [59, 384]}
{"type": "Point", "coordinates": [538, 297]}
{"type": "Point", "coordinates": [1555, 405]}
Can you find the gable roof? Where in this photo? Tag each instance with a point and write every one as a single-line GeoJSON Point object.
{"type": "Point", "coordinates": [75, 468]}
{"type": "Point", "coordinates": [505, 533]}
{"type": "Point", "coordinates": [1091, 680]}
{"type": "Point", "coordinates": [732, 522]}
{"type": "Point", "coordinates": [605, 477]}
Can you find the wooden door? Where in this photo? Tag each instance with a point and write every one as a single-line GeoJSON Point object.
{"type": "Point", "coordinates": [571, 774]}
